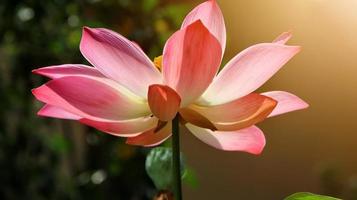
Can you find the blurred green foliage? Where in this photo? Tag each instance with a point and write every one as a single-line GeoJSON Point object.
{"type": "Point", "coordinates": [158, 165]}
{"type": "Point", "coordinates": [56, 159]}
{"type": "Point", "coordinates": [309, 196]}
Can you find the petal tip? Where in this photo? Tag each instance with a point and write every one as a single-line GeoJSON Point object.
{"type": "Point", "coordinates": [38, 71]}
{"type": "Point", "coordinates": [214, 2]}
{"type": "Point", "coordinates": [40, 113]}
{"type": "Point", "coordinates": [304, 104]}
{"type": "Point", "coordinates": [35, 71]}
{"type": "Point", "coordinates": [86, 28]}
{"type": "Point", "coordinates": [284, 37]}
{"type": "Point", "coordinates": [257, 151]}
{"type": "Point", "coordinates": [292, 49]}
{"type": "Point", "coordinates": [287, 102]}
{"type": "Point", "coordinates": [259, 148]}
{"type": "Point", "coordinates": [35, 91]}
{"type": "Point", "coordinates": [39, 92]}
{"type": "Point", "coordinates": [86, 32]}
{"type": "Point", "coordinates": [272, 101]}
{"type": "Point", "coordinates": [198, 22]}
{"type": "Point", "coordinates": [298, 48]}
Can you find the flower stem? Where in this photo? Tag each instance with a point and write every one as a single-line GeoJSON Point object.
{"type": "Point", "coordinates": [176, 158]}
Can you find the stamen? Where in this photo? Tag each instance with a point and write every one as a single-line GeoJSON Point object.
{"type": "Point", "coordinates": [158, 62]}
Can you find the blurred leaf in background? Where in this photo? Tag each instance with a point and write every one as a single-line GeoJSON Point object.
{"type": "Point", "coordinates": [158, 166]}
{"type": "Point", "coordinates": [308, 196]}
{"type": "Point", "coordinates": [56, 159]}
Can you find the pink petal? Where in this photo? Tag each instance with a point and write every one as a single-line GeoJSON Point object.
{"type": "Point", "coordinates": [249, 140]}
{"type": "Point", "coordinates": [287, 102]}
{"type": "Point", "coordinates": [247, 72]}
{"type": "Point", "coordinates": [283, 38]}
{"type": "Point", "coordinates": [191, 59]}
{"type": "Point", "coordinates": [241, 113]}
{"type": "Point", "coordinates": [151, 138]}
{"type": "Point", "coordinates": [60, 71]}
{"type": "Point", "coordinates": [127, 128]}
{"type": "Point", "coordinates": [56, 112]}
{"type": "Point", "coordinates": [211, 16]}
{"type": "Point", "coordinates": [92, 98]}
{"type": "Point", "coordinates": [119, 59]}
{"type": "Point", "coordinates": [164, 102]}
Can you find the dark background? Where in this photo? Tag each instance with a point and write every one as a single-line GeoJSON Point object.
{"type": "Point", "coordinates": [311, 150]}
{"type": "Point", "coordinates": [55, 159]}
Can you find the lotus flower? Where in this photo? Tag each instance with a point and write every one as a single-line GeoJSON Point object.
{"type": "Point", "coordinates": [125, 94]}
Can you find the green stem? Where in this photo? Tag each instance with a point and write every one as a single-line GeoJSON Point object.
{"type": "Point", "coordinates": [176, 158]}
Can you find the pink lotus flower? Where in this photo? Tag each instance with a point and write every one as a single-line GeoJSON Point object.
{"type": "Point", "coordinates": [125, 95]}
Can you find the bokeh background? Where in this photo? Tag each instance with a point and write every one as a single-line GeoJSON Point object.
{"type": "Point", "coordinates": [311, 150]}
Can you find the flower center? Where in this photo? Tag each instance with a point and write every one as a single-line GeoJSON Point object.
{"type": "Point", "coordinates": [158, 62]}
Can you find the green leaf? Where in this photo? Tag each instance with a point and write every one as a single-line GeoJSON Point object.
{"type": "Point", "coordinates": [190, 178]}
{"type": "Point", "coordinates": [309, 196]}
{"type": "Point", "coordinates": [159, 167]}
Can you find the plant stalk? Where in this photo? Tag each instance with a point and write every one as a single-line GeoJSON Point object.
{"type": "Point", "coordinates": [176, 158]}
